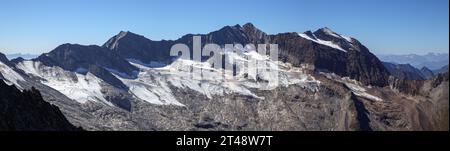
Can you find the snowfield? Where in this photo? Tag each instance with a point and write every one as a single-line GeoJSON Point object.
{"type": "Point", "coordinates": [155, 81]}
{"type": "Point", "coordinates": [79, 87]}
{"type": "Point", "coordinates": [10, 76]}
{"type": "Point", "coordinates": [355, 86]}
{"type": "Point", "coordinates": [152, 83]}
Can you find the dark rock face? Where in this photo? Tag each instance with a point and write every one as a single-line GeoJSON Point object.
{"type": "Point", "coordinates": [27, 111]}
{"type": "Point", "coordinates": [363, 119]}
{"type": "Point", "coordinates": [107, 76]}
{"type": "Point", "coordinates": [227, 35]}
{"type": "Point", "coordinates": [3, 58]}
{"type": "Point", "coordinates": [298, 50]}
{"type": "Point", "coordinates": [132, 46]}
{"type": "Point", "coordinates": [17, 60]}
{"type": "Point", "coordinates": [72, 57]}
{"type": "Point", "coordinates": [365, 67]}
{"type": "Point", "coordinates": [404, 71]}
{"type": "Point", "coordinates": [415, 87]}
{"type": "Point", "coordinates": [254, 34]}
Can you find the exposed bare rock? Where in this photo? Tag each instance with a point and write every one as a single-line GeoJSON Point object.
{"type": "Point", "coordinates": [27, 111]}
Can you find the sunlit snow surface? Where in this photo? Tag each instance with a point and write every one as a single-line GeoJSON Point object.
{"type": "Point", "coordinates": [10, 76]}
{"type": "Point", "coordinates": [349, 39]}
{"type": "Point", "coordinates": [155, 82]}
{"type": "Point", "coordinates": [152, 84]}
{"type": "Point", "coordinates": [355, 86]}
{"type": "Point", "coordinates": [331, 44]}
{"type": "Point", "coordinates": [329, 32]}
{"type": "Point", "coordinates": [322, 42]}
{"type": "Point", "coordinates": [79, 87]}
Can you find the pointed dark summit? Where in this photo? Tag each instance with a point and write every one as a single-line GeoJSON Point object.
{"type": "Point", "coordinates": [129, 45]}
{"type": "Point", "coordinates": [3, 58]}
{"type": "Point", "coordinates": [123, 36]}
{"type": "Point", "coordinates": [254, 34]}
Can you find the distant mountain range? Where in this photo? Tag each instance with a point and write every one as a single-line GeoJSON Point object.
{"type": "Point", "coordinates": [444, 69]}
{"type": "Point", "coordinates": [325, 81]}
{"type": "Point", "coordinates": [416, 67]}
{"type": "Point", "coordinates": [406, 71]}
{"type": "Point", "coordinates": [433, 61]}
{"type": "Point", "coordinates": [24, 56]}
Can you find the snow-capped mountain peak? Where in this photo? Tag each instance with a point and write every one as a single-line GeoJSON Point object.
{"type": "Point", "coordinates": [132, 82]}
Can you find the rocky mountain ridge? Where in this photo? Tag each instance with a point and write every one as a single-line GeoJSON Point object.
{"type": "Point", "coordinates": [327, 81]}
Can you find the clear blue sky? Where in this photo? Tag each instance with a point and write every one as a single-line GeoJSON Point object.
{"type": "Point", "coordinates": [385, 26]}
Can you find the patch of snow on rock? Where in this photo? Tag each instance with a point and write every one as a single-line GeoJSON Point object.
{"type": "Point", "coordinates": [322, 42]}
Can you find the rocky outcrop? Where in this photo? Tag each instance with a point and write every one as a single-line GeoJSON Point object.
{"type": "Point", "coordinates": [3, 58]}
{"type": "Point", "coordinates": [436, 109]}
{"type": "Point", "coordinates": [27, 111]}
